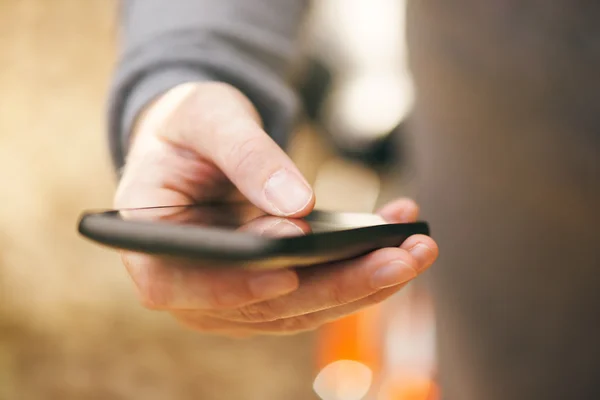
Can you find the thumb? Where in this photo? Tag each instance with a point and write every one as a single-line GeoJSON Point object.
{"type": "Point", "coordinates": [219, 123]}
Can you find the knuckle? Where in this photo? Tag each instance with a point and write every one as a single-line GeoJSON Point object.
{"type": "Point", "coordinates": [337, 295]}
{"type": "Point", "coordinates": [297, 324]}
{"type": "Point", "coordinates": [245, 155]}
{"type": "Point", "coordinates": [261, 312]}
{"type": "Point", "coordinates": [219, 299]}
{"type": "Point", "coordinates": [222, 297]}
{"type": "Point", "coordinates": [391, 253]}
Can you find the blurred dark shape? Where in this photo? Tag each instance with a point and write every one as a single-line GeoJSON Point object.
{"type": "Point", "coordinates": [378, 153]}
{"type": "Point", "coordinates": [314, 87]}
{"type": "Point", "coordinates": [374, 151]}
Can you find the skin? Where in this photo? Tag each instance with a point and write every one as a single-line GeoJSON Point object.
{"type": "Point", "coordinates": [204, 141]}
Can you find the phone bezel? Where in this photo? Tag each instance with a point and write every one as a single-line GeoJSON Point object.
{"type": "Point", "coordinates": [229, 246]}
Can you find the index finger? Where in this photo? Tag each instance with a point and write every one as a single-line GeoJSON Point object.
{"type": "Point", "coordinates": [220, 124]}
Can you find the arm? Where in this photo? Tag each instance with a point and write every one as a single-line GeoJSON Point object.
{"type": "Point", "coordinates": [200, 139]}
{"type": "Point", "coordinates": [164, 43]}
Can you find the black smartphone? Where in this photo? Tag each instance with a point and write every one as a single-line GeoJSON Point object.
{"type": "Point", "coordinates": [240, 235]}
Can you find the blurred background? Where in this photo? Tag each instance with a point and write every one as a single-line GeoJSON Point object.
{"type": "Point", "coordinates": [70, 324]}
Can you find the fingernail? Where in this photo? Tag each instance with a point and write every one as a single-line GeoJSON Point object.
{"type": "Point", "coordinates": [423, 254]}
{"type": "Point", "coordinates": [287, 193]}
{"type": "Point", "coordinates": [271, 285]}
{"type": "Point", "coordinates": [393, 274]}
{"type": "Point", "coordinates": [284, 228]}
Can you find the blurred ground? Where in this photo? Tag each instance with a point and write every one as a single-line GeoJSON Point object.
{"type": "Point", "coordinates": [70, 326]}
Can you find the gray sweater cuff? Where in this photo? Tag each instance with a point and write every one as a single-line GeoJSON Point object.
{"type": "Point", "coordinates": [275, 102]}
{"type": "Point", "coordinates": [127, 103]}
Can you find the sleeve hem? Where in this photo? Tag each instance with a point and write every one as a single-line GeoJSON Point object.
{"type": "Point", "coordinates": [126, 105]}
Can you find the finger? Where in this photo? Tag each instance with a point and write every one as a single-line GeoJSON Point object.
{"type": "Point", "coordinates": [201, 322]}
{"type": "Point", "coordinates": [271, 226]}
{"type": "Point", "coordinates": [323, 287]}
{"type": "Point", "coordinates": [220, 124]}
{"type": "Point", "coordinates": [400, 211]}
{"type": "Point", "coordinates": [158, 173]}
{"type": "Point", "coordinates": [169, 283]}
{"type": "Point", "coordinates": [424, 250]}
{"type": "Point", "coordinates": [313, 321]}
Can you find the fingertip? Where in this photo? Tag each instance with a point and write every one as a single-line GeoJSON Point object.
{"type": "Point", "coordinates": [287, 228]}
{"type": "Point", "coordinates": [400, 211]}
{"type": "Point", "coordinates": [288, 194]}
{"type": "Point", "coordinates": [423, 248]}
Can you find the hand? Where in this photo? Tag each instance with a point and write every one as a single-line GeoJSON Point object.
{"type": "Point", "coordinates": [204, 141]}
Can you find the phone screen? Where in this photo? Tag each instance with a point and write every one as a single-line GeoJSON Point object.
{"type": "Point", "coordinates": [248, 218]}
{"type": "Point", "coordinates": [235, 233]}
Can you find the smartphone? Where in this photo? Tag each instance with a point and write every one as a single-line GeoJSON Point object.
{"type": "Point", "coordinates": [239, 235]}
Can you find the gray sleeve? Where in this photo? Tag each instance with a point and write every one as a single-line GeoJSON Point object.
{"type": "Point", "coordinates": [247, 43]}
